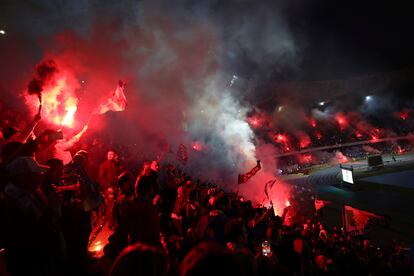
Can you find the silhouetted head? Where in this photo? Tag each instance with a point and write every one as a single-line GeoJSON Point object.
{"type": "Point", "coordinates": [140, 259]}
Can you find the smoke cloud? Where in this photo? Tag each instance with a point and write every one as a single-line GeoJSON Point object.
{"type": "Point", "coordinates": [196, 74]}
{"type": "Point", "coordinates": [177, 60]}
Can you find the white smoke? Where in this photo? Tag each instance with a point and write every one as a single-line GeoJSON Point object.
{"type": "Point", "coordinates": [218, 120]}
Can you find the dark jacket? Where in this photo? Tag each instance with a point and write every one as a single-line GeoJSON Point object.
{"type": "Point", "coordinates": [143, 222]}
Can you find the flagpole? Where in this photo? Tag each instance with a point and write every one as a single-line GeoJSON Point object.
{"type": "Point", "coordinates": [343, 217]}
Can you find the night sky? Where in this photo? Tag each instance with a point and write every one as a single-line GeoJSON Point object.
{"type": "Point", "coordinates": [334, 39]}
{"type": "Point", "coordinates": [352, 38]}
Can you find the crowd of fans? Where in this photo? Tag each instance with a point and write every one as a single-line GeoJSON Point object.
{"type": "Point", "coordinates": [163, 221]}
{"type": "Point", "coordinates": [301, 162]}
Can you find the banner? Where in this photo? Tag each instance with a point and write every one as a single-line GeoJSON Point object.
{"type": "Point", "coordinates": [358, 222]}
{"type": "Point", "coordinates": [182, 155]}
{"type": "Point", "coordinates": [320, 203]}
{"type": "Point", "coordinates": [244, 177]}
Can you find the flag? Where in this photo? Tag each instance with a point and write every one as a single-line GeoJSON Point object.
{"type": "Point", "coordinates": [358, 222]}
{"type": "Point", "coordinates": [182, 155]}
{"type": "Point", "coordinates": [244, 177]}
{"type": "Point", "coordinates": [269, 185]}
{"type": "Point", "coordinates": [116, 102]}
{"type": "Point", "coordinates": [320, 203]}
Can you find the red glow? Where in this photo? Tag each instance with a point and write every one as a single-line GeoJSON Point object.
{"type": "Point", "coordinates": [403, 115]}
{"type": "Point", "coordinates": [305, 158]}
{"type": "Point", "coordinates": [342, 121]}
{"type": "Point", "coordinates": [340, 157]}
{"type": "Point", "coordinates": [279, 204]}
{"type": "Point", "coordinates": [71, 108]}
{"type": "Point", "coordinates": [304, 140]}
{"type": "Point", "coordinates": [254, 121]}
{"type": "Point", "coordinates": [197, 146]}
{"type": "Point", "coordinates": [358, 134]}
{"type": "Point", "coordinates": [318, 135]}
{"type": "Point", "coordinates": [313, 122]}
{"type": "Point", "coordinates": [400, 150]}
{"type": "Point", "coordinates": [59, 103]}
{"type": "Point", "coordinates": [281, 138]}
{"type": "Point", "coordinates": [375, 134]}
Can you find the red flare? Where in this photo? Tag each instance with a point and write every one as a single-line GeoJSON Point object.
{"type": "Point", "coordinates": [197, 146]}
{"type": "Point", "coordinates": [342, 121]}
{"type": "Point", "coordinates": [71, 107]}
{"type": "Point", "coordinates": [281, 138]}
{"type": "Point", "coordinates": [253, 121]}
{"type": "Point", "coordinates": [304, 141]}
{"type": "Point", "coordinates": [318, 135]}
{"type": "Point", "coordinates": [305, 158]}
{"type": "Point", "coordinates": [313, 122]}
{"type": "Point", "coordinates": [403, 115]}
{"type": "Point", "coordinates": [375, 134]}
{"type": "Point", "coordinates": [59, 100]}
